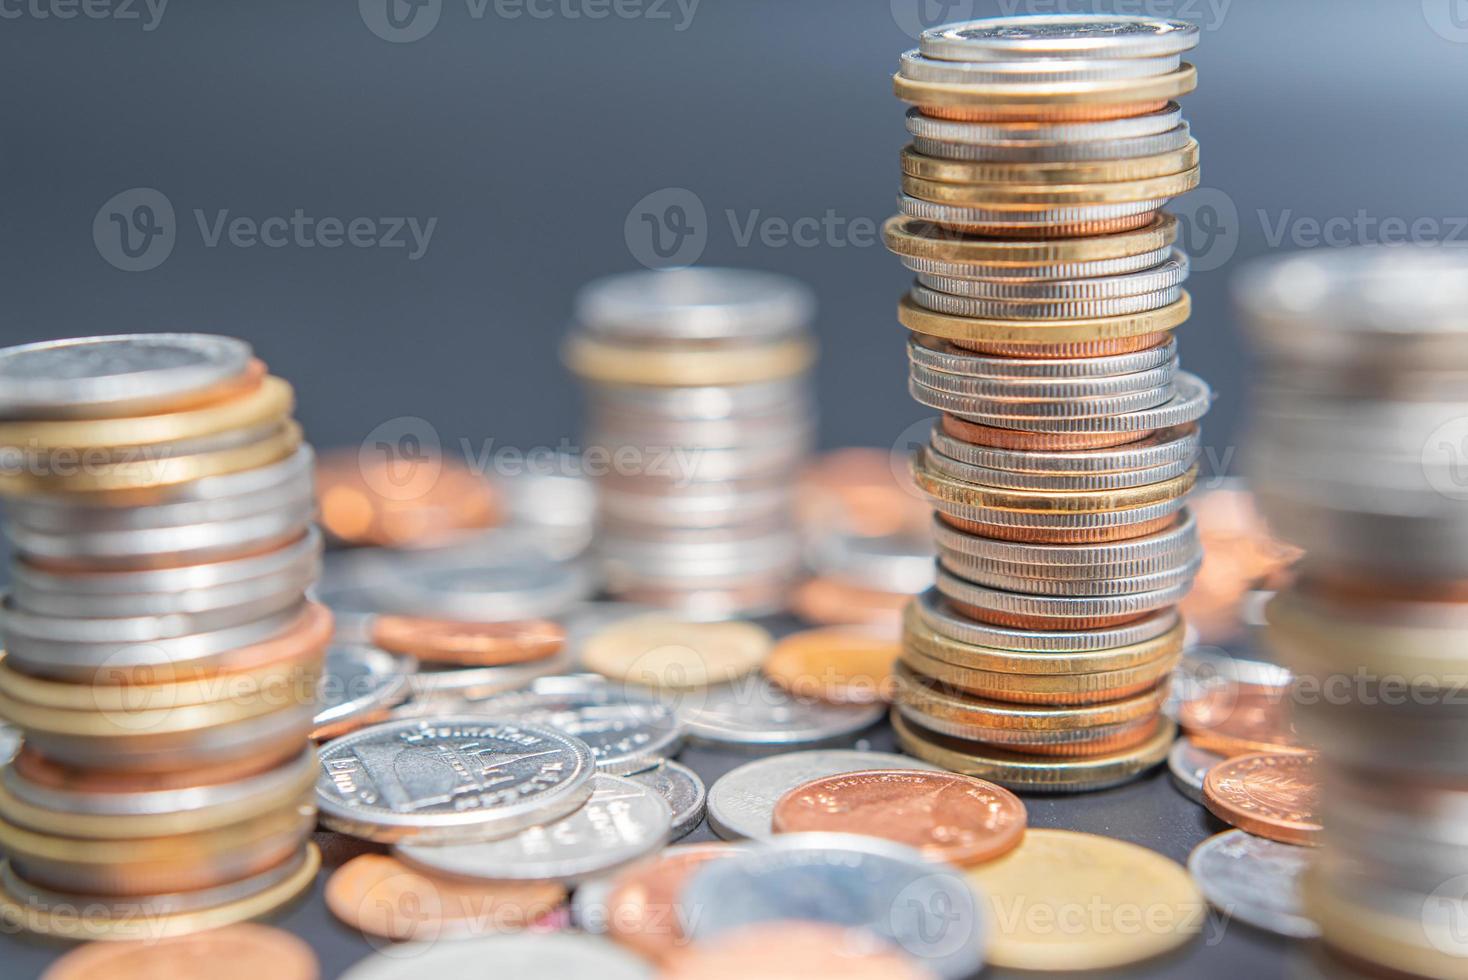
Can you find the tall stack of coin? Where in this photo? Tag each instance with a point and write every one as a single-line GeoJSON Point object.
{"type": "Point", "coordinates": [1357, 457]}
{"type": "Point", "coordinates": [700, 417]}
{"type": "Point", "coordinates": [1047, 291]}
{"type": "Point", "coordinates": [161, 658]}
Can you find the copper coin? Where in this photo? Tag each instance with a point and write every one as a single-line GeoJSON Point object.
{"type": "Point", "coordinates": [393, 503]}
{"type": "Point", "coordinates": [843, 666]}
{"type": "Point", "coordinates": [953, 818]}
{"type": "Point", "coordinates": [643, 910]}
{"type": "Point", "coordinates": [1070, 229]}
{"type": "Point", "coordinates": [1084, 348]}
{"type": "Point", "coordinates": [1022, 622]}
{"type": "Point", "coordinates": [1236, 719]}
{"type": "Point", "coordinates": [381, 896]}
{"type": "Point", "coordinates": [786, 950]}
{"type": "Point", "coordinates": [447, 641]}
{"type": "Point", "coordinates": [239, 952]}
{"type": "Point", "coordinates": [1043, 113]}
{"type": "Point", "coordinates": [832, 602]}
{"type": "Point", "coordinates": [1033, 535]}
{"type": "Point", "coordinates": [1268, 794]}
{"type": "Point", "coordinates": [1240, 557]}
{"type": "Point", "coordinates": [987, 435]}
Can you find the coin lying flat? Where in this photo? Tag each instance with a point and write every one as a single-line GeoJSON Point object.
{"type": "Point", "coordinates": [529, 957]}
{"type": "Point", "coordinates": [620, 822]}
{"type": "Point", "coordinates": [794, 949]}
{"type": "Point", "coordinates": [742, 802]}
{"type": "Point", "coordinates": [841, 666]}
{"type": "Point", "coordinates": [468, 644]}
{"type": "Point", "coordinates": [1059, 35]}
{"type": "Point", "coordinates": [643, 903]}
{"type": "Point", "coordinates": [450, 779]}
{"type": "Point", "coordinates": [1234, 719]}
{"type": "Point", "coordinates": [844, 880]}
{"type": "Point", "coordinates": [242, 950]}
{"type": "Point", "coordinates": [756, 714]}
{"type": "Point", "coordinates": [1255, 880]}
{"type": "Point", "coordinates": [1189, 765]}
{"type": "Point", "coordinates": [358, 686]}
{"type": "Point", "coordinates": [1273, 795]}
{"type": "Point", "coordinates": [661, 652]}
{"type": "Point", "coordinates": [682, 789]}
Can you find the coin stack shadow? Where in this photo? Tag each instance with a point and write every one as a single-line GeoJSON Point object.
{"type": "Point", "coordinates": [1355, 453]}
{"type": "Point", "coordinates": [161, 657]}
{"type": "Point", "coordinates": [1047, 290]}
{"type": "Point", "coordinates": [700, 417]}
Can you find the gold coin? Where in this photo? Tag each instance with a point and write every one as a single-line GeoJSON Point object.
{"type": "Point", "coordinates": [1044, 113]}
{"type": "Point", "coordinates": [596, 360]}
{"type": "Point", "coordinates": [1009, 98]}
{"type": "Point", "coordinates": [1056, 689]}
{"type": "Point", "coordinates": [84, 924]}
{"type": "Point", "coordinates": [1069, 901]}
{"type": "Point", "coordinates": [926, 167]}
{"type": "Point", "coordinates": [155, 469]}
{"type": "Point", "coordinates": [1020, 198]}
{"type": "Point", "coordinates": [272, 400]}
{"type": "Point", "coordinates": [915, 691]}
{"type": "Point", "coordinates": [964, 328]}
{"type": "Point", "coordinates": [1047, 501]}
{"type": "Point", "coordinates": [663, 652]}
{"type": "Point", "coordinates": [920, 239]}
{"type": "Point", "coordinates": [843, 666]}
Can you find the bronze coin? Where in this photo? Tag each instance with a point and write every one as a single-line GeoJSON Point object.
{"type": "Point", "coordinates": [1083, 112]}
{"type": "Point", "coordinates": [381, 896]}
{"type": "Point", "coordinates": [784, 950]}
{"type": "Point", "coordinates": [1268, 794]}
{"type": "Point", "coordinates": [948, 817]}
{"type": "Point", "coordinates": [643, 911]}
{"type": "Point", "coordinates": [842, 666]}
{"type": "Point", "coordinates": [1069, 229]}
{"type": "Point", "coordinates": [1024, 622]}
{"type": "Point", "coordinates": [986, 435]}
{"type": "Point", "coordinates": [1236, 719]}
{"type": "Point", "coordinates": [1083, 348]}
{"type": "Point", "coordinates": [446, 641]}
{"type": "Point", "coordinates": [239, 952]}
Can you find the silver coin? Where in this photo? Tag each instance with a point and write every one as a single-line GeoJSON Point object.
{"type": "Point", "coordinates": [941, 355]}
{"type": "Point", "coordinates": [1035, 151]}
{"type": "Point", "coordinates": [1035, 273]}
{"type": "Point", "coordinates": [741, 803]}
{"type": "Point", "coordinates": [359, 682]}
{"type": "Point", "coordinates": [1090, 131]}
{"type": "Point", "coordinates": [16, 623]}
{"type": "Point", "coordinates": [1068, 309]}
{"type": "Point", "coordinates": [1189, 766]}
{"type": "Point", "coordinates": [1062, 607]}
{"type": "Point", "coordinates": [1171, 272]}
{"type": "Point", "coordinates": [1254, 880]}
{"type": "Point", "coordinates": [557, 508]}
{"type": "Point", "coordinates": [695, 304]}
{"type": "Point", "coordinates": [1059, 36]}
{"type": "Point", "coordinates": [1165, 447]}
{"type": "Point", "coordinates": [118, 375]}
{"type": "Point", "coordinates": [1178, 541]}
{"type": "Point", "coordinates": [1041, 520]}
{"type": "Point", "coordinates": [1007, 479]}
{"type": "Point", "coordinates": [1112, 581]}
{"type": "Point", "coordinates": [1001, 390]}
{"type": "Point", "coordinates": [712, 506]}
{"type": "Point", "coordinates": [683, 791]}
{"type": "Point", "coordinates": [754, 713]}
{"type": "Point", "coordinates": [1189, 403]}
{"type": "Point", "coordinates": [901, 563]}
{"type": "Point", "coordinates": [536, 955]}
{"type": "Point", "coordinates": [9, 741]}
{"type": "Point", "coordinates": [953, 214]}
{"type": "Point", "coordinates": [996, 412]}
{"type": "Point", "coordinates": [919, 67]}
{"type": "Point", "coordinates": [937, 615]}
{"type": "Point", "coordinates": [922, 908]}
{"type": "Point", "coordinates": [760, 398]}
{"type": "Point", "coordinates": [622, 821]}
{"type": "Point", "coordinates": [450, 779]}
{"type": "Point", "coordinates": [626, 733]}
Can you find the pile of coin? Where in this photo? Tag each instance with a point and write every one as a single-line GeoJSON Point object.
{"type": "Point", "coordinates": [161, 656]}
{"type": "Point", "coordinates": [700, 414]}
{"type": "Point", "coordinates": [1356, 455]}
{"type": "Point", "coordinates": [1047, 291]}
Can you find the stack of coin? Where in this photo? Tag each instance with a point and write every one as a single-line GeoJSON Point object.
{"type": "Point", "coordinates": [161, 657]}
{"type": "Point", "coordinates": [1047, 291]}
{"type": "Point", "coordinates": [1356, 458]}
{"type": "Point", "coordinates": [700, 414]}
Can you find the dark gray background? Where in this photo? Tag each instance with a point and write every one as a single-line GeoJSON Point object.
{"type": "Point", "coordinates": [531, 140]}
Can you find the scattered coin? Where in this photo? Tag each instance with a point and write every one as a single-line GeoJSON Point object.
{"type": "Point", "coordinates": [244, 950]}
{"type": "Point", "coordinates": [794, 949]}
{"type": "Point", "coordinates": [552, 956]}
{"type": "Point", "coordinates": [755, 714]}
{"type": "Point", "coordinates": [1273, 795]}
{"type": "Point", "coordinates": [843, 666]}
{"type": "Point", "coordinates": [391, 503]}
{"type": "Point", "coordinates": [358, 687]}
{"type": "Point", "coordinates": [468, 644]}
{"type": "Point", "coordinates": [1254, 880]}
{"type": "Point", "coordinates": [659, 652]}
{"type": "Point", "coordinates": [1234, 719]}
{"type": "Point", "coordinates": [644, 905]}
{"type": "Point", "coordinates": [1190, 765]}
{"type": "Point", "coordinates": [682, 789]}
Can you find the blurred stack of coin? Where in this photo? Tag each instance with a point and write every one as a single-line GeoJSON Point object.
{"type": "Point", "coordinates": [1357, 457]}
{"type": "Point", "coordinates": [161, 657]}
{"type": "Point", "coordinates": [1047, 291]}
{"type": "Point", "coordinates": [700, 414]}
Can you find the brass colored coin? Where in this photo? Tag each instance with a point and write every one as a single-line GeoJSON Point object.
{"type": "Point", "coordinates": [380, 896]}
{"type": "Point", "coordinates": [662, 652]}
{"type": "Point", "coordinates": [446, 641]}
{"type": "Point", "coordinates": [919, 239]}
{"type": "Point", "coordinates": [1047, 501]}
{"type": "Point", "coordinates": [1096, 348]}
{"type": "Point", "coordinates": [68, 924]}
{"type": "Point", "coordinates": [1098, 535]}
{"type": "Point", "coordinates": [1023, 771]}
{"type": "Point", "coordinates": [843, 666]}
{"type": "Point", "coordinates": [931, 168]}
{"type": "Point", "coordinates": [1010, 114]}
{"type": "Point", "coordinates": [1077, 743]}
{"type": "Point", "coordinates": [597, 360]}
{"type": "Point", "coordinates": [1049, 99]}
{"type": "Point", "coordinates": [150, 473]}
{"type": "Point", "coordinates": [1025, 225]}
{"type": "Point", "coordinates": [1237, 719]}
{"type": "Point", "coordinates": [1088, 903]}
{"type": "Point", "coordinates": [1268, 794]}
{"type": "Point", "coordinates": [792, 949]}
{"type": "Point", "coordinates": [1038, 196]}
{"type": "Point", "coordinates": [987, 435]}
{"type": "Point", "coordinates": [239, 952]}
{"type": "Point", "coordinates": [271, 401]}
{"type": "Point", "coordinates": [963, 328]}
{"type": "Point", "coordinates": [1055, 689]}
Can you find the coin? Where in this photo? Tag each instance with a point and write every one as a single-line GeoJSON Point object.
{"type": "Point", "coordinates": [1059, 35]}
{"type": "Point", "coordinates": [886, 889]}
{"type": "Point", "coordinates": [1055, 870]}
{"type": "Point", "coordinates": [793, 949]}
{"type": "Point", "coordinates": [380, 896]}
{"type": "Point", "coordinates": [1234, 719]}
{"type": "Point", "coordinates": [952, 818]}
{"type": "Point", "coordinates": [839, 665]}
{"type": "Point", "coordinates": [468, 644]}
{"type": "Point", "coordinates": [644, 909]}
{"type": "Point", "coordinates": [741, 803]}
{"type": "Point", "coordinates": [1273, 795]}
{"type": "Point", "coordinates": [1083, 329]}
{"type": "Point", "coordinates": [358, 686]}
{"type": "Point", "coordinates": [683, 791]}
{"type": "Point", "coordinates": [914, 238]}
{"type": "Point", "coordinates": [756, 714]}
{"type": "Point", "coordinates": [1254, 880]}
{"type": "Point", "coordinates": [449, 779]}
{"type": "Point", "coordinates": [695, 304]}
{"type": "Point", "coordinates": [1190, 765]}
{"type": "Point", "coordinates": [620, 822]}
{"type": "Point", "coordinates": [380, 502]}
{"type": "Point", "coordinates": [830, 601]}
{"type": "Point", "coordinates": [240, 950]}
{"type": "Point", "coordinates": [553, 956]}
{"type": "Point", "coordinates": [657, 651]}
